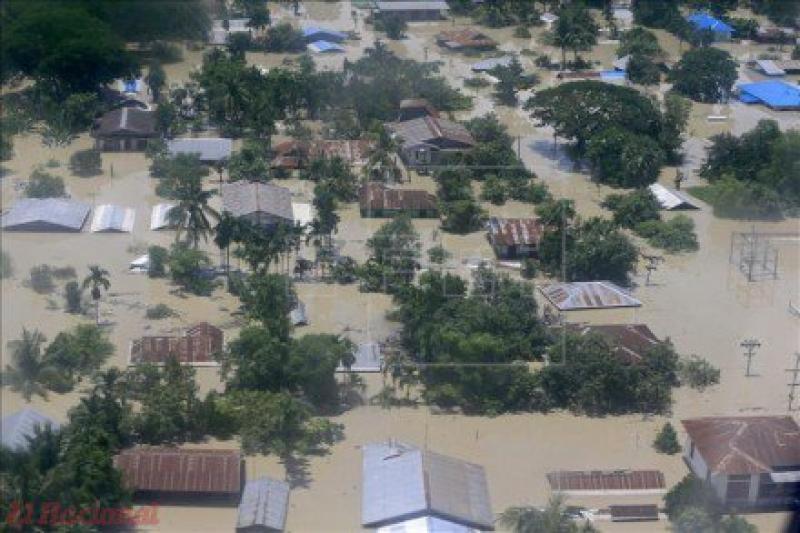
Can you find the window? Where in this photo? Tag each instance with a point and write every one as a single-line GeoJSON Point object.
{"type": "Point", "coordinates": [738, 487]}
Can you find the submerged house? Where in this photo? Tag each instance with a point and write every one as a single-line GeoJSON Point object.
{"type": "Point", "coordinates": [197, 347]}
{"type": "Point", "coordinates": [263, 506]}
{"type": "Point", "coordinates": [293, 155]}
{"type": "Point", "coordinates": [368, 357]}
{"type": "Point", "coordinates": [402, 483]}
{"type": "Point", "coordinates": [209, 150]}
{"type": "Point", "coordinates": [414, 10]}
{"type": "Point", "coordinates": [466, 39]}
{"type": "Point", "coordinates": [587, 295]}
{"type": "Point", "coordinates": [125, 129]}
{"type": "Point", "coordinates": [670, 199]}
{"type": "Point", "coordinates": [113, 219]}
{"type": "Point", "coordinates": [169, 474]}
{"type": "Point", "coordinates": [261, 203]}
{"type": "Point", "coordinates": [314, 33]}
{"type": "Point", "coordinates": [219, 34]}
{"type": "Point", "coordinates": [775, 94]}
{"type": "Point", "coordinates": [749, 461]}
{"type": "Point", "coordinates": [17, 428]}
{"type": "Point", "coordinates": [412, 108]}
{"type": "Point", "coordinates": [629, 342]}
{"type": "Point", "coordinates": [378, 201]}
{"type": "Point", "coordinates": [705, 22]}
{"type": "Point", "coordinates": [159, 216]}
{"type": "Point", "coordinates": [606, 482]}
{"type": "Point", "coordinates": [430, 140]}
{"type": "Point", "coordinates": [45, 215]}
{"type": "Point", "coordinates": [515, 238]}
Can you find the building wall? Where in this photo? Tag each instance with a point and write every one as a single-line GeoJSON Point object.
{"type": "Point", "coordinates": [693, 459]}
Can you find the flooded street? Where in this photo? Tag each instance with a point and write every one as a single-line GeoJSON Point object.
{"type": "Point", "coordinates": [700, 301]}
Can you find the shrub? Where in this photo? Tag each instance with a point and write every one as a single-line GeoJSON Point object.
{"type": "Point", "coordinates": [158, 257]}
{"type": "Point", "coordinates": [438, 255]}
{"type": "Point", "coordinates": [44, 185]}
{"type": "Point", "coordinates": [86, 163]}
{"type": "Point", "coordinates": [521, 32]}
{"type": "Point", "coordinates": [52, 163]}
{"type": "Point", "coordinates": [476, 82]}
{"type": "Point", "coordinates": [345, 270]}
{"type": "Point", "coordinates": [393, 25]}
{"type": "Point", "coordinates": [691, 492]}
{"type": "Point", "coordinates": [283, 38]}
{"type": "Point", "coordinates": [166, 52]}
{"type": "Point", "coordinates": [6, 267]}
{"type": "Point", "coordinates": [673, 236]}
{"type": "Point", "coordinates": [42, 279]}
{"type": "Point", "coordinates": [73, 295]}
{"type": "Point", "coordinates": [159, 312]}
{"type": "Point", "coordinates": [633, 208]}
{"type": "Point", "coordinates": [667, 440]}
{"type": "Point", "coordinates": [494, 191]}
{"type": "Point", "coordinates": [697, 373]}
{"type": "Point", "coordinates": [529, 268]}
{"type": "Point", "coordinates": [533, 193]}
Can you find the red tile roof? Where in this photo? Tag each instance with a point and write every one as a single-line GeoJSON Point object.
{"type": "Point", "coordinates": [602, 481]}
{"type": "Point", "coordinates": [172, 470]}
{"type": "Point", "coordinates": [375, 196]}
{"type": "Point", "coordinates": [746, 444]}
{"type": "Point", "coordinates": [197, 345]}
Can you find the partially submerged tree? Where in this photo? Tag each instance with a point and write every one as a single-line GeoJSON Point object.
{"type": "Point", "coordinates": [98, 281]}
{"type": "Point", "coordinates": [704, 74]}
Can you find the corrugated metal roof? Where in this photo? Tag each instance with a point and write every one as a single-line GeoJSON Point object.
{"type": "Point", "coordinates": [492, 63]}
{"type": "Point", "coordinates": [515, 231]}
{"type": "Point", "coordinates": [176, 470]}
{"type": "Point", "coordinates": [209, 149]}
{"type": "Point", "coordinates": [606, 481]}
{"type": "Point", "coordinates": [303, 213]}
{"type": "Point", "coordinates": [745, 444]}
{"type": "Point", "coordinates": [777, 94]}
{"type": "Point", "coordinates": [234, 25]}
{"type": "Point", "coordinates": [377, 197]}
{"type": "Point", "coordinates": [113, 218]}
{"type": "Point", "coordinates": [19, 426]}
{"type": "Point", "coordinates": [401, 482]}
{"type": "Point", "coordinates": [670, 199]}
{"type": "Point", "coordinates": [45, 214]}
{"type": "Point", "coordinates": [769, 67]}
{"type": "Point", "coordinates": [243, 198]}
{"type": "Point", "coordinates": [264, 504]}
{"type": "Point", "coordinates": [634, 513]}
{"type": "Point", "coordinates": [588, 295]}
{"type": "Point", "coordinates": [621, 63]}
{"type": "Point", "coordinates": [428, 129]}
{"type": "Point", "coordinates": [368, 358]}
{"type": "Point", "coordinates": [704, 21]}
{"type": "Point", "coordinates": [465, 38]}
{"type": "Point", "coordinates": [412, 6]}
{"type": "Point", "coordinates": [198, 345]}
{"type": "Point", "coordinates": [322, 47]}
{"type": "Point", "coordinates": [159, 218]}
{"type": "Point", "coordinates": [426, 524]}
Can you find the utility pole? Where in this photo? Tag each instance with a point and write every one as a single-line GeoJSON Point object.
{"type": "Point", "coordinates": [750, 346]}
{"type": "Point", "coordinates": [795, 383]}
{"type": "Point", "coordinates": [652, 265]}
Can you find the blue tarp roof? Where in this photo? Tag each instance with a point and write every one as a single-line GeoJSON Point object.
{"type": "Point", "coordinates": [773, 93]}
{"type": "Point", "coordinates": [328, 35]}
{"type": "Point", "coordinates": [704, 21]}
{"type": "Point", "coordinates": [324, 46]}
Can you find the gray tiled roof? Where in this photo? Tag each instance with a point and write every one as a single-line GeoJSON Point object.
{"type": "Point", "coordinates": [210, 149]}
{"type": "Point", "coordinates": [45, 214]}
{"type": "Point", "coordinates": [17, 427]}
{"type": "Point", "coordinates": [401, 482]}
{"type": "Point", "coordinates": [426, 129]}
{"type": "Point", "coordinates": [264, 503]}
{"type": "Point", "coordinates": [243, 198]}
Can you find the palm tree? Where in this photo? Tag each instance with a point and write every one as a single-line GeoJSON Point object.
{"type": "Point", "coordinates": [98, 281]}
{"type": "Point", "coordinates": [31, 370]}
{"type": "Point", "coordinates": [382, 164]}
{"type": "Point", "coordinates": [225, 233]}
{"type": "Point", "coordinates": [192, 212]}
{"type": "Point", "coordinates": [552, 519]}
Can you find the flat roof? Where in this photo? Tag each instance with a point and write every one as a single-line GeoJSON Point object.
{"type": "Point", "coordinates": [412, 6]}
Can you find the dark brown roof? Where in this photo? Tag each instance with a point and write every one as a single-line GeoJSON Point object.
{"type": "Point", "coordinates": [515, 231]}
{"type": "Point", "coordinates": [198, 345]}
{"type": "Point", "coordinates": [295, 154]}
{"type": "Point", "coordinates": [629, 341]}
{"type": "Point", "coordinates": [746, 444]}
{"type": "Point", "coordinates": [633, 513]}
{"type": "Point", "coordinates": [180, 471]}
{"type": "Point", "coordinates": [419, 103]}
{"type": "Point", "coordinates": [126, 121]}
{"type": "Point", "coordinates": [466, 38]}
{"type": "Point", "coordinates": [375, 196]}
{"type": "Point", "coordinates": [602, 481]}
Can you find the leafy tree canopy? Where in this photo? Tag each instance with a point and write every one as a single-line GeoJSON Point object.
{"type": "Point", "coordinates": [704, 74]}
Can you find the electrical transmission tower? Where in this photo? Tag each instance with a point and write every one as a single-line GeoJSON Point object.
{"type": "Point", "coordinates": [750, 346]}
{"type": "Point", "coordinates": [795, 381]}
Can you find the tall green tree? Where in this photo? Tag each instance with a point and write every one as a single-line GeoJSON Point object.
{"type": "Point", "coordinates": [704, 74]}
{"type": "Point", "coordinates": [575, 30]}
{"type": "Point", "coordinates": [156, 79]}
{"type": "Point", "coordinates": [31, 372]}
{"type": "Point", "coordinates": [192, 215]}
{"type": "Point", "coordinates": [98, 281]}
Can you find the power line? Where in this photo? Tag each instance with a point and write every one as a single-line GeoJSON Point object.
{"type": "Point", "coordinates": [750, 346]}
{"type": "Point", "coordinates": [795, 383]}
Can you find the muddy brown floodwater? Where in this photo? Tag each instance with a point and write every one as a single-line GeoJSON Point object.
{"type": "Point", "coordinates": [699, 300]}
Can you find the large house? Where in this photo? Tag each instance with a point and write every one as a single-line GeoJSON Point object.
{"type": "Point", "coordinates": [429, 139]}
{"type": "Point", "coordinates": [749, 461]}
{"type": "Point", "coordinates": [515, 238]}
{"type": "Point", "coordinates": [126, 129]}
{"type": "Point", "coordinates": [378, 201]}
{"type": "Point", "coordinates": [260, 203]}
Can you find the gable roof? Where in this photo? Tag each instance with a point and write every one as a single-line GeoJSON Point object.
{"type": "Point", "coordinates": [515, 231]}
{"type": "Point", "coordinates": [126, 121]}
{"type": "Point", "coordinates": [630, 342]}
{"type": "Point", "coordinates": [177, 470]}
{"type": "Point", "coordinates": [45, 214]}
{"type": "Point", "coordinates": [746, 444]}
{"type": "Point", "coordinates": [377, 197]}
{"type": "Point", "coordinates": [579, 295]}
{"type": "Point", "coordinates": [210, 149]}
{"type": "Point", "coordinates": [244, 198]}
{"type": "Point", "coordinates": [465, 38]}
{"type": "Point", "coordinates": [159, 216]}
{"type": "Point", "coordinates": [773, 93]}
{"type": "Point", "coordinates": [426, 524]}
{"type": "Point", "coordinates": [419, 103]}
{"type": "Point", "coordinates": [16, 428]}
{"type": "Point", "coordinates": [113, 218]}
{"type": "Point", "coordinates": [264, 503]}
{"type": "Point", "coordinates": [427, 129]}
{"type": "Point", "coordinates": [670, 199]}
{"type": "Point", "coordinates": [704, 21]}
{"type": "Point", "coordinates": [198, 344]}
{"type": "Point", "coordinates": [401, 482]}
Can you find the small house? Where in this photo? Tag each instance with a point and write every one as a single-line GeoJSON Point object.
{"type": "Point", "coordinates": [402, 482]}
{"type": "Point", "coordinates": [492, 63]}
{"type": "Point", "coordinates": [630, 343]}
{"type": "Point", "coordinates": [515, 238]}
{"type": "Point", "coordinates": [113, 219]}
{"type": "Point", "coordinates": [415, 10]}
{"type": "Point", "coordinates": [125, 129]}
{"type": "Point", "coordinates": [222, 29]}
{"type": "Point", "coordinates": [298, 316]}
{"type": "Point", "coordinates": [209, 150]}
{"type": "Point", "coordinates": [749, 461]}
{"type": "Point", "coordinates": [261, 203]}
{"type": "Point", "coordinates": [17, 428]}
{"type": "Point", "coordinates": [368, 357]}
{"type": "Point", "coordinates": [293, 154]}
{"type": "Point", "coordinates": [775, 94]}
{"type": "Point", "coordinates": [263, 506]}
{"type": "Point", "coordinates": [324, 47]}
{"type": "Point", "coordinates": [670, 199]}
{"type": "Point", "coordinates": [314, 33]}
{"type": "Point", "coordinates": [159, 216]}
{"type": "Point", "coordinates": [412, 108]}
{"type": "Point", "coordinates": [549, 19]}
{"type": "Point", "coordinates": [586, 295]}
{"type": "Point", "coordinates": [178, 474]}
{"type": "Point", "coordinates": [430, 140]}
{"type": "Point", "coordinates": [45, 215]}
{"type": "Point", "coordinates": [768, 67]}
{"type": "Point", "coordinates": [606, 482]}
{"type": "Point", "coordinates": [705, 22]}
{"type": "Point", "coordinates": [465, 39]}
{"type": "Point", "coordinates": [197, 347]}
{"type": "Point", "coordinates": [378, 201]}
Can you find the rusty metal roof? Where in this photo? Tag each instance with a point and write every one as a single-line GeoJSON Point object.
{"type": "Point", "coordinates": [745, 444]}
{"type": "Point", "coordinates": [606, 480]}
{"type": "Point", "coordinates": [515, 231]}
{"type": "Point", "coordinates": [173, 470]}
{"type": "Point", "coordinates": [375, 196]}
{"type": "Point", "coordinates": [588, 295]}
{"type": "Point", "coordinates": [296, 154]}
{"type": "Point", "coordinates": [629, 341]}
{"type": "Point", "coordinates": [465, 38]}
{"type": "Point", "coordinates": [197, 345]}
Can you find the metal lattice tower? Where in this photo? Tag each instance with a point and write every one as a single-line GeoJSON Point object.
{"type": "Point", "coordinates": [754, 255]}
